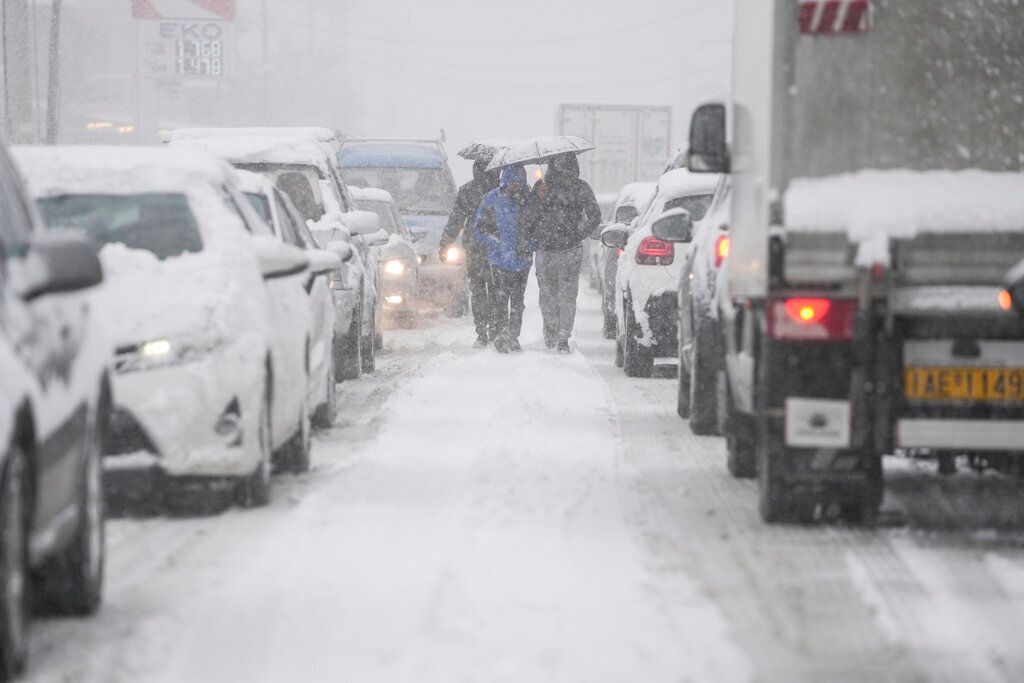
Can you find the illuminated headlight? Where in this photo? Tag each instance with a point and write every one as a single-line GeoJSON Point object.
{"type": "Point", "coordinates": [453, 255]}
{"type": "Point", "coordinates": [157, 348]}
{"type": "Point", "coordinates": [395, 299]}
{"type": "Point", "coordinates": [395, 267]}
{"type": "Point", "coordinates": [161, 352]}
{"type": "Point", "coordinates": [419, 258]}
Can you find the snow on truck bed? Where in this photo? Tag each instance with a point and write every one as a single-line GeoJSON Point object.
{"type": "Point", "coordinates": [873, 206]}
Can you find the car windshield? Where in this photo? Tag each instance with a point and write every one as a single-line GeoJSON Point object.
{"type": "Point", "coordinates": [696, 204]}
{"type": "Point", "coordinates": [415, 190]}
{"type": "Point", "coordinates": [299, 181]}
{"type": "Point", "coordinates": [383, 210]}
{"type": "Point", "coordinates": [159, 223]}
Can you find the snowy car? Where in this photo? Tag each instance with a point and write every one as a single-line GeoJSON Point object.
{"type": "Point", "coordinates": [277, 210]}
{"type": "Point", "coordinates": [399, 265]}
{"type": "Point", "coordinates": [417, 175]}
{"type": "Point", "coordinates": [594, 249]}
{"type": "Point", "coordinates": [300, 162]}
{"type": "Point", "coordinates": [648, 273]}
{"type": "Point", "coordinates": [205, 390]}
{"type": "Point", "coordinates": [700, 347]}
{"type": "Point", "coordinates": [632, 200]}
{"type": "Point", "coordinates": [55, 401]}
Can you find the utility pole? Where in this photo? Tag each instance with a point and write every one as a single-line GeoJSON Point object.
{"type": "Point", "coordinates": [53, 84]}
{"type": "Point", "coordinates": [17, 63]}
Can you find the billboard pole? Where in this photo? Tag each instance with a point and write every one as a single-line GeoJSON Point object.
{"type": "Point", "coordinates": [53, 85]}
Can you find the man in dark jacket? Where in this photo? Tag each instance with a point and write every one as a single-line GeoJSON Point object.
{"type": "Point", "coordinates": [467, 201]}
{"type": "Point", "coordinates": [564, 213]}
{"type": "Point", "coordinates": [500, 227]}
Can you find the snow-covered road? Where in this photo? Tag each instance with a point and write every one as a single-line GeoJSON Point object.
{"type": "Point", "coordinates": [477, 517]}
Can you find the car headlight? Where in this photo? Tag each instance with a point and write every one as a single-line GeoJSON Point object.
{"type": "Point", "coordinates": [162, 352]}
{"type": "Point", "coordinates": [453, 255]}
{"type": "Point", "coordinates": [394, 267]}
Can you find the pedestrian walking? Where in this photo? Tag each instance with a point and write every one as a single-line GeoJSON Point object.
{"type": "Point", "coordinates": [500, 226]}
{"type": "Point", "coordinates": [460, 221]}
{"type": "Point", "coordinates": [564, 213]}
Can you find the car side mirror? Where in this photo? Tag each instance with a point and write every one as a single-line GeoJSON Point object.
{"type": "Point", "coordinates": [595, 234]}
{"type": "Point", "coordinates": [708, 151]}
{"type": "Point", "coordinates": [377, 239]}
{"type": "Point", "coordinates": [58, 263]}
{"type": "Point", "coordinates": [342, 250]}
{"type": "Point", "coordinates": [362, 222]}
{"type": "Point", "coordinates": [674, 226]}
{"type": "Point", "coordinates": [1014, 287]}
{"type": "Point", "coordinates": [614, 236]}
{"type": "Point", "coordinates": [417, 235]}
{"type": "Point", "coordinates": [322, 261]}
{"type": "Point", "coordinates": [277, 259]}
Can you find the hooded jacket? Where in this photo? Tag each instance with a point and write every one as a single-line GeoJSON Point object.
{"type": "Point", "coordinates": [565, 210]}
{"type": "Point", "coordinates": [467, 201]}
{"type": "Point", "coordinates": [500, 224]}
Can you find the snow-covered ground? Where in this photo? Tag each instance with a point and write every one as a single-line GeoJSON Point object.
{"type": "Point", "coordinates": [476, 517]}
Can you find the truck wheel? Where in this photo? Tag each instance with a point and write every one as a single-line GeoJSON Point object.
{"type": "Point", "coordinates": [72, 582]}
{"type": "Point", "coordinates": [703, 382]}
{"type": "Point", "coordinates": [348, 355]}
{"type": "Point", "coordinates": [638, 361]}
{"type": "Point", "coordinates": [864, 511]}
{"type": "Point", "coordinates": [610, 325]}
{"type": "Point", "coordinates": [15, 613]}
{"type": "Point", "coordinates": [776, 502]}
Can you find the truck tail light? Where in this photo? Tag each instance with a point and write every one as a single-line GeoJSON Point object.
{"type": "Point", "coordinates": [811, 319]}
{"type": "Point", "coordinates": [721, 249]}
{"type": "Point", "coordinates": [655, 252]}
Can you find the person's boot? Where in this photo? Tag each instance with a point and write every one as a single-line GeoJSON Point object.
{"type": "Point", "coordinates": [513, 345]}
{"type": "Point", "coordinates": [481, 341]}
{"type": "Point", "coordinates": [501, 344]}
{"type": "Point", "coordinates": [550, 343]}
{"type": "Point", "coordinates": [563, 346]}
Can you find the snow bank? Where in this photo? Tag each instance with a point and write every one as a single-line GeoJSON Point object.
{"type": "Point", "coordinates": [874, 206]}
{"type": "Point", "coordinates": [53, 171]}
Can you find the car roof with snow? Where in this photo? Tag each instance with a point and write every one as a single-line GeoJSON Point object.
{"type": "Point", "coordinates": [371, 194]}
{"type": "Point", "coordinates": [118, 169]}
{"type": "Point", "coordinates": [681, 183]}
{"type": "Point", "coordinates": [318, 132]}
{"type": "Point", "coordinates": [257, 183]}
{"type": "Point", "coordinates": [294, 148]}
{"type": "Point", "coordinates": [391, 155]}
{"type": "Point", "coordinates": [635, 194]}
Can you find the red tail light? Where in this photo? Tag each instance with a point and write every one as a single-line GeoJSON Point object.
{"type": "Point", "coordinates": [811, 319]}
{"type": "Point", "coordinates": [721, 249]}
{"type": "Point", "coordinates": [655, 252]}
{"type": "Point", "coordinates": [618, 252]}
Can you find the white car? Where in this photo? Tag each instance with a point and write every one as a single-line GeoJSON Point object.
{"type": "Point", "coordinates": [204, 386]}
{"type": "Point", "coordinates": [301, 163]}
{"type": "Point", "coordinates": [277, 210]}
{"type": "Point", "coordinates": [633, 199]}
{"type": "Point", "coordinates": [648, 273]}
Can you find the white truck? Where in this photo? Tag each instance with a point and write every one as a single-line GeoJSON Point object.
{"type": "Point", "coordinates": [632, 142]}
{"type": "Point", "coordinates": [876, 151]}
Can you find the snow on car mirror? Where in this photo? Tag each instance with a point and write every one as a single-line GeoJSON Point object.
{"type": "Point", "coordinates": [323, 261]}
{"type": "Point", "coordinates": [614, 236]}
{"type": "Point", "coordinates": [277, 259]}
{"type": "Point", "coordinates": [58, 263]}
{"type": "Point", "coordinates": [417, 235]}
{"type": "Point", "coordinates": [362, 222]}
{"type": "Point", "coordinates": [377, 239]}
{"type": "Point", "coordinates": [674, 226]}
{"type": "Point", "coordinates": [342, 249]}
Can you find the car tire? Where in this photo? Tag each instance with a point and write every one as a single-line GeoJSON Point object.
{"type": "Point", "coordinates": [323, 416]}
{"type": "Point", "coordinates": [296, 454]}
{"type": "Point", "coordinates": [15, 610]}
{"type": "Point", "coordinates": [348, 359]}
{"type": "Point", "coordinates": [254, 488]}
{"type": "Point", "coordinates": [740, 449]}
{"type": "Point", "coordinates": [682, 388]}
{"type": "Point", "coordinates": [704, 380]}
{"type": "Point", "coordinates": [369, 343]}
{"type": "Point", "coordinates": [620, 356]}
{"type": "Point", "coordinates": [72, 582]}
{"type": "Point", "coordinates": [638, 361]}
{"type": "Point", "coordinates": [609, 329]}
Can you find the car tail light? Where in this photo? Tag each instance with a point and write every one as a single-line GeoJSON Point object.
{"type": "Point", "coordinates": [811, 319]}
{"type": "Point", "coordinates": [1005, 300]}
{"type": "Point", "coordinates": [721, 249]}
{"type": "Point", "coordinates": [618, 252]}
{"type": "Point", "coordinates": [655, 252]}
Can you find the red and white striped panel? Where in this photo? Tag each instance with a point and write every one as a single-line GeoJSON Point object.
{"type": "Point", "coordinates": [834, 16]}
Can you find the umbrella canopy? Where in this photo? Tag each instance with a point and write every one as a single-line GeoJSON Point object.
{"type": "Point", "coordinates": [484, 150]}
{"type": "Point", "coordinates": [539, 150]}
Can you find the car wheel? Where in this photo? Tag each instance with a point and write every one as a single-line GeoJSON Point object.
{"type": "Point", "coordinates": [682, 387]}
{"type": "Point", "coordinates": [295, 455]}
{"type": "Point", "coordinates": [740, 453]}
{"type": "Point", "coordinates": [15, 613]}
{"type": "Point", "coordinates": [72, 582]}
{"type": "Point", "coordinates": [638, 361]}
{"type": "Point", "coordinates": [369, 346]}
{"type": "Point", "coordinates": [610, 325]}
{"type": "Point", "coordinates": [255, 488]}
{"type": "Point", "coordinates": [325, 413]}
{"type": "Point", "coordinates": [348, 359]}
{"type": "Point", "coordinates": [703, 381]}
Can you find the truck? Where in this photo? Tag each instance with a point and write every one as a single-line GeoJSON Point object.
{"type": "Point", "coordinates": [876, 151]}
{"type": "Point", "coordinates": [632, 142]}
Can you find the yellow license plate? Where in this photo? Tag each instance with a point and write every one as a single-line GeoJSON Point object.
{"type": "Point", "coordinates": [964, 384]}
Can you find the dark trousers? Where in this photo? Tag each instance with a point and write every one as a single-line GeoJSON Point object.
{"type": "Point", "coordinates": [507, 291]}
{"type": "Point", "coordinates": [478, 270]}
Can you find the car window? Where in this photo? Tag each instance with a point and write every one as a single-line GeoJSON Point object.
{"type": "Point", "coordinates": [625, 214]}
{"type": "Point", "coordinates": [161, 223]}
{"type": "Point", "coordinates": [289, 231]}
{"type": "Point", "coordinates": [15, 215]}
{"type": "Point", "coordinates": [383, 210]}
{"type": "Point", "coordinates": [696, 204]}
{"type": "Point", "coordinates": [300, 182]}
{"type": "Point", "coordinates": [260, 202]}
{"type": "Point", "coordinates": [415, 190]}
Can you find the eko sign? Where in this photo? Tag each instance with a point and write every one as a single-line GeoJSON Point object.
{"type": "Point", "coordinates": [183, 37]}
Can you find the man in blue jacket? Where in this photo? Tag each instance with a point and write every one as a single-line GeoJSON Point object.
{"type": "Point", "coordinates": [500, 226]}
